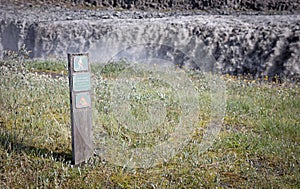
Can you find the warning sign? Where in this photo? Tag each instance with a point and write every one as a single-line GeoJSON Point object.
{"type": "Point", "coordinates": [83, 100]}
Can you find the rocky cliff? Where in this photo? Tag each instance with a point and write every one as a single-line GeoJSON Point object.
{"type": "Point", "coordinates": [227, 5]}
{"type": "Point", "coordinates": [212, 6]}
{"type": "Point", "coordinates": [257, 45]}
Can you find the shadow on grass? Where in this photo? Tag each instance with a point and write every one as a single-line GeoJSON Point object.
{"type": "Point", "coordinates": [11, 143]}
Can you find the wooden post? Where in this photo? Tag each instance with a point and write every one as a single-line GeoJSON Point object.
{"type": "Point", "coordinates": [81, 107]}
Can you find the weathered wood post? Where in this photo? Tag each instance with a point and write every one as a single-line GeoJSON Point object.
{"type": "Point", "coordinates": [81, 107]}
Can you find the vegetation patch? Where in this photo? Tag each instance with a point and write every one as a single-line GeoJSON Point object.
{"type": "Point", "coordinates": [258, 145]}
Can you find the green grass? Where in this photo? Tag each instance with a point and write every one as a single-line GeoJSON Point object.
{"type": "Point", "coordinates": [54, 67]}
{"type": "Point", "coordinates": [258, 146]}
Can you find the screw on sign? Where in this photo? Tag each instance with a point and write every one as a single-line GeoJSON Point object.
{"type": "Point", "coordinates": [81, 111]}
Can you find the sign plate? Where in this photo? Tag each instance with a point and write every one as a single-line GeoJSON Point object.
{"type": "Point", "coordinates": [82, 82]}
{"type": "Point", "coordinates": [80, 63]}
{"type": "Point", "coordinates": [82, 100]}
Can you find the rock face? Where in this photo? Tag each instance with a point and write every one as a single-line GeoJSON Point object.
{"type": "Point", "coordinates": [210, 6]}
{"type": "Point", "coordinates": [256, 45]}
{"type": "Point", "coordinates": [254, 5]}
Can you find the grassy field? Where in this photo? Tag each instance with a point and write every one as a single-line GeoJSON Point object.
{"type": "Point", "coordinates": [258, 146]}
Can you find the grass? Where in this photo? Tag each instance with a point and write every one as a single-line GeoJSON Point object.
{"type": "Point", "coordinates": [51, 67]}
{"type": "Point", "coordinates": [258, 146]}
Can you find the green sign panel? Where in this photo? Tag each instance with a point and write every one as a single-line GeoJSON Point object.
{"type": "Point", "coordinates": [80, 63]}
{"type": "Point", "coordinates": [82, 100]}
{"type": "Point", "coordinates": [82, 82]}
